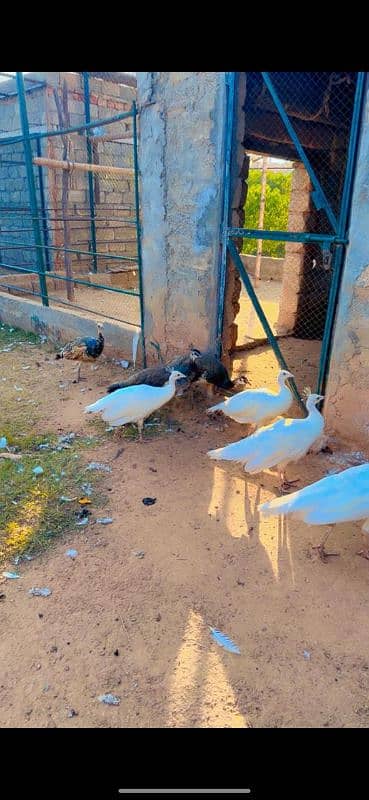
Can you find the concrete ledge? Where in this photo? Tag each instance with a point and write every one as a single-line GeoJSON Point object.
{"type": "Point", "coordinates": [61, 326]}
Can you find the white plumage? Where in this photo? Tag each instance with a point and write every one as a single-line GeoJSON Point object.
{"type": "Point", "coordinates": [343, 497]}
{"type": "Point", "coordinates": [276, 445]}
{"type": "Point", "coordinates": [134, 403]}
{"type": "Point", "coordinates": [258, 406]}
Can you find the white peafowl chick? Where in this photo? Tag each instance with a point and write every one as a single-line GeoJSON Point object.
{"type": "Point", "coordinates": [135, 403]}
{"type": "Point", "coordinates": [276, 445]}
{"type": "Point", "coordinates": [336, 498]}
{"type": "Point", "coordinates": [258, 406]}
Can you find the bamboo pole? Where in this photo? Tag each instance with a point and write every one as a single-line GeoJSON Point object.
{"type": "Point", "coordinates": [76, 165]}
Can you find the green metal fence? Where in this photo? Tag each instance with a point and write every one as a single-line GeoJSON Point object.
{"type": "Point", "coordinates": [69, 194]}
{"type": "Point", "coordinates": [308, 123]}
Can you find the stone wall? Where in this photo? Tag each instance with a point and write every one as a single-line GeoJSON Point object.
{"type": "Point", "coordinates": [181, 160]}
{"type": "Point", "coordinates": [347, 392]}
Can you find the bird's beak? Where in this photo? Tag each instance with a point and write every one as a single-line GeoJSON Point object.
{"type": "Point", "coordinates": [320, 397]}
{"type": "Point", "coordinates": [289, 374]}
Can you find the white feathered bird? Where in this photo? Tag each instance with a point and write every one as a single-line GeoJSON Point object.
{"type": "Point", "coordinates": [258, 406]}
{"type": "Point", "coordinates": [276, 445]}
{"type": "Point", "coordinates": [134, 403]}
{"type": "Point", "coordinates": [343, 497]}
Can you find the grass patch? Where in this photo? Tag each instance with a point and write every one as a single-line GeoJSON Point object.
{"type": "Point", "coordinates": [14, 336]}
{"type": "Point", "coordinates": [31, 511]}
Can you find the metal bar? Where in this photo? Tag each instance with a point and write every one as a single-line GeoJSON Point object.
{"type": "Point", "coordinates": [318, 195]}
{"type": "Point", "coordinates": [27, 91]}
{"type": "Point", "coordinates": [339, 254]}
{"type": "Point", "coordinates": [286, 236]}
{"type": "Point", "coordinates": [268, 331]}
{"type": "Point", "coordinates": [43, 209]}
{"type": "Point", "coordinates": [138, 230]}
{"type": "Point", "coordinates": [31, 186]}
{"type": "Point", "coordinates": [74, 129]}
{"type": "Point", "coordinates": [132, 259]}
{"type": "Point", "coordinates": [230, 100]}
{"type": "Point", "coordinates": [58, 276]}
{"type": "Point", "coordinates": [91, 194]}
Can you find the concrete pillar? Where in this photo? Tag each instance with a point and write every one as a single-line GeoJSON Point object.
{"type": "Point", "coordinates": [346, 406]}
{"type": "Point", "coordinates": [181, 163]}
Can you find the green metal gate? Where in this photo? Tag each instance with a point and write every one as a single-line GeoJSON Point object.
{"type": "Point", "coordinates": [333, 236]}
{"type": "Point", "coordinates": [79, 248]}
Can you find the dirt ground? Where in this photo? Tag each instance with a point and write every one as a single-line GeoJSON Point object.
{"type": "Point", "coordinates": [139, 627]}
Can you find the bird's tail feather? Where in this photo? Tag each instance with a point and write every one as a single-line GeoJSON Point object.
{"type": "Point", "coordinates": [98, 406]}
{"type": "Point", "coordinates": [114, 386]}
{"type": "Point", "coordinates": [279, 505]}
{"type": "Point", "coordinates": [216, 455]}
{"type": "Point", "coordinates": [218, 407]}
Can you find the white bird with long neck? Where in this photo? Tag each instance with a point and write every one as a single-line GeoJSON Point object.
{"type": "Point", "coordinates": [343, 497]}
{"type": "Point", "coordinates": [134, 403]}
{"type": "Point", "coordinates": [276, 445]}
{"type": "Point", "coordinates": [258, 406]}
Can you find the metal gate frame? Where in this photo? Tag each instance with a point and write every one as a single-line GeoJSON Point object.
{"type": "Point", "coordinates": [42, 246]}
{"type": "Point", "coordinates": [333, 245]}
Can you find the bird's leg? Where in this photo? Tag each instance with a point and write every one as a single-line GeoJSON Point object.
{"type": "Point", "coordinates": [78, 373]}
{"type": "Point", "coordinates": [284, 484]}
{"type": "Point", "coordinates": [140, 425]}
{"type": "Point", "coordinates": [321, 547]}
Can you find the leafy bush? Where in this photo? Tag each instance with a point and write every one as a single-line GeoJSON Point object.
{"type": "Point", "coordinates": [278, 193]}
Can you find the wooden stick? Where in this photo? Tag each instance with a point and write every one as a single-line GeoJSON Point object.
{"type": "Point", "coordinates": [71, 165]}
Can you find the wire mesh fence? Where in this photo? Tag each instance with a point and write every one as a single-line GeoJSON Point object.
{"type": "Point", "coordinates": [298, 133]}
{"type": "Point", "coordinates": [82, 233]}
{"type": "Point", "coordinates": [318, 107]}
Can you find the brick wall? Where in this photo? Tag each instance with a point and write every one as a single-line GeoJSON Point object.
{"type": "Point", "coordinates": [114, 195]}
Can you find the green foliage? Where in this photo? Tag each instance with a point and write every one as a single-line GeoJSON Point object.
{"type": "Point", "coordinates": [278, 194]}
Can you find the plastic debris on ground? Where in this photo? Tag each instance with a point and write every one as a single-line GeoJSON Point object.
{"type": "Point", "coordinates": [18, 559]}
{"type": "Point", "coordinates": [138, 553]}
{"type": "Point", "coordinates": [3, 442]}
{"type": "Point", "coordinates": [64, 499]}
{"type": "Point", "coordinates": [43, 447]}
{"type": "Point", "coordinates": [87, 489]}
{"type": "Point", "coordinates": [223, 641]}
{"type": "Point", "coordinates": [307, 654]}
{"type": "Point", "coordinates": [10, 575]}
{"type": "Point", "coordinates": [97, 465]}
{"type": "Point", "coordinates": [72, 713]}
{"type": "Point", "coordinates": [37, 471]}
{"type": "Point", "coordinates": [71, 553]}
{"type": "Point", "coordinates": [104, 520]}
{"type": "Point", "coordinates": [84, 501]}
{"type": "Point", "coordinates": [83, 521]}
{"type": "Point", "coordinates": [122, 363]}
{"type": "Point", "coordinates": [149, 501]}
{"type": "Point", "coordinates": [109, 699]}
{"type": "Point", "coordinates": [36, 592]}
{"type": "Point", "coordinates": [64, 442]}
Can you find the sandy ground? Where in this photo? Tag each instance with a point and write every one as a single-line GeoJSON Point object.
{"type": "Point", "coordinates": [139, 627]}
{"type": "Point", "coordinates": [249, 326]}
